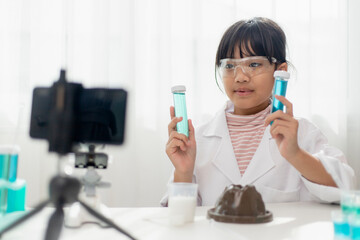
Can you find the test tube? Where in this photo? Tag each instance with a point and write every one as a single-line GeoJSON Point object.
{"type": "Point", "coordinates": [281, 80]}
{"type": "Point", "coordinates": [8, 169]}
{"type": "Point", "coordinates": [180, 108]}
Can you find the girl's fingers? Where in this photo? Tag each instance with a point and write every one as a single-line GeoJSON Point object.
{"type": "Point", "coordinates": [279, 130]}
{"type": "Point", "coordinates": [287, 103]}
{"type": "Point", "coordinates": [176, 135]}
{"type": "Point", "coordinates": [277, 115]}
{"type": "Point", "coordinates": [172, 124]}
{"type": "Point", "coordinates": [172, 128]}
{"type": "Point", "coordinates": [285, 128]}
{"type": "Point", "coordinates": [172, 112]}
{"type": "Point", "coordinates": [279, 122]}
{"type": "Point", "coordinates": [176, 143]}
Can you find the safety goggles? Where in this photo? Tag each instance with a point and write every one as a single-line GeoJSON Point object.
{"type": "Point", "coordinates": [250, 66]}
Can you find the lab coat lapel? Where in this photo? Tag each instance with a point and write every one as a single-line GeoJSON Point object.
{"type": "Point", "coordinates": [224, 159]}
{"type": "Point", "coordinates": [261, 162]}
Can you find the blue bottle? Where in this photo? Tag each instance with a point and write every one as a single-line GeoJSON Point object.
{"type": "Point", "coordinates": [180, 108]}
{"type": "Point", "coordinates": [280, 85]}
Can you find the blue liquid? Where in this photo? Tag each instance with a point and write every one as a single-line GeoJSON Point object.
{"type": "Point", "coordinates": [4, 174]}
{"type": "Point", "coordinates": [350, 209]}
{"type": "Point", "coordinates": [180, 111]}
{"type": "Point", "coordinates": [16, 197]}
{"type": "Point", "coordinates": [279, 89]}
{"type": "Point", "coordinates": [13, 168]}
{"type": "Point", "coordinates": [341, 228]}
{"type": "Point", "coordinates": [355, 232]}
{"type": "Point", "coordinates": [8, 172]}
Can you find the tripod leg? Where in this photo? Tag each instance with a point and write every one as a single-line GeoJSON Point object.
{"type": "Point", "coordinates": [37, 209]}
{"type": "Point", "coordinates": [104, 219]}
{"type": "Point", "coordinates": [55, 224]}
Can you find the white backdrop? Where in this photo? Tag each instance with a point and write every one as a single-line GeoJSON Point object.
{"type": "Point", "coordinates": [146, 46]}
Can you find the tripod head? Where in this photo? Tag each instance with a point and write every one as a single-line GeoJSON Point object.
{"type": "Point", "coordinates": [91, 159]}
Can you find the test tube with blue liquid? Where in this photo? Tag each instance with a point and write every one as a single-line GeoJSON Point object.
{"type": "Point", "coordinates": [340, 224]}
{"type": "Point", "coordinates": [12, 189]}
{"type": "Point", "coordinates": [350, 202]}
{"type": "Point", "coordinates": [350, 207]}
{"type": "Point", "coordinates": [280, 86]}
{"type": "Point", "coordinates": [354, 223]}
{"type": "Point", "coordinates": [8, 172]}
{"type": "Point", "coordinates": [180, 108]}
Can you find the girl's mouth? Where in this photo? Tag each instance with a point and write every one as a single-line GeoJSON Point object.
{"type": "Point", "coordinates": [244, 92]}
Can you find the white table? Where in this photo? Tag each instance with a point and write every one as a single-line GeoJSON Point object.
{"type": "Point", "coordinates": [291, 221]}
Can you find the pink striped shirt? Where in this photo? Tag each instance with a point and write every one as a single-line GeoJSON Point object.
{"type": "Point", "coordinates": [246, 132]}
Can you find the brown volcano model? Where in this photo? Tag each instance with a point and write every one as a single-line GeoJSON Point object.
{"type": "Point", "coordinates": [240, 204]}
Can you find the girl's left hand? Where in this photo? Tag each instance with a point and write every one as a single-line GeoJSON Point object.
{"type": "Point", "coordinates": [284, 129]}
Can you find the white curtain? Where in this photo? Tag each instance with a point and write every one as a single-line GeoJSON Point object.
{"type": "Point", "coordinates": [146, 46]}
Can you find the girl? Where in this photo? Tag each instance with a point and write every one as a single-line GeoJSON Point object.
{"type": "Point", "coordinates": [289, 160]}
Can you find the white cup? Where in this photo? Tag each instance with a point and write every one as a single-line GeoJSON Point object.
{"type": "Point", "coordinates": [182, 202]}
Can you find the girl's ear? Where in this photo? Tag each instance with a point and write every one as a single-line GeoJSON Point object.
{"type": "Point", "coordinates": [282, 67]}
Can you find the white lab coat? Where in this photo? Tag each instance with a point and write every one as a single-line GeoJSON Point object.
{"type": "Point", "coordinates": [272, 175]}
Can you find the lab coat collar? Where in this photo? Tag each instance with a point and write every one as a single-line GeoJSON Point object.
{"type": "Point", "coordinates": [225, 159]}
{"type": "Point", "coordinates": [218, 126]}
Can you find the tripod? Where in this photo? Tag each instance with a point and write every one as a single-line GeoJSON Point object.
{"type": "Point", "coordinates": [63, 190]}
{"type": "Point", "coordinates": [57, 115]}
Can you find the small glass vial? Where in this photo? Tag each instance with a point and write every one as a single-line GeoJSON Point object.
{"type": "Point", "coordinates": [180, 108]}
{"type": "Point", "coordinates": [281, 80]}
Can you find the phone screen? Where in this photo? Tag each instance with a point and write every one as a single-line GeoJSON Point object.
{"type": "Point", "coordinates": [99, 115]}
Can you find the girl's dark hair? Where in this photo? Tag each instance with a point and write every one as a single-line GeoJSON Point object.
{"type": "Point", "coordinates": [255, 37]}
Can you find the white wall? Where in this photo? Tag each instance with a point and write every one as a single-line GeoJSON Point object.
{"type": "Point", "coordinates": [147, 46]}
{"type": "Point", "coordinates": [353, 82]}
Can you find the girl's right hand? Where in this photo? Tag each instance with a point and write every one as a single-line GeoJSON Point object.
{"type": "Point", "coordinates": [181, 150]}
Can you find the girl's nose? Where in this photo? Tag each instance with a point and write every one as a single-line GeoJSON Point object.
{"type": "Point", "coordinates": [240, 76]}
